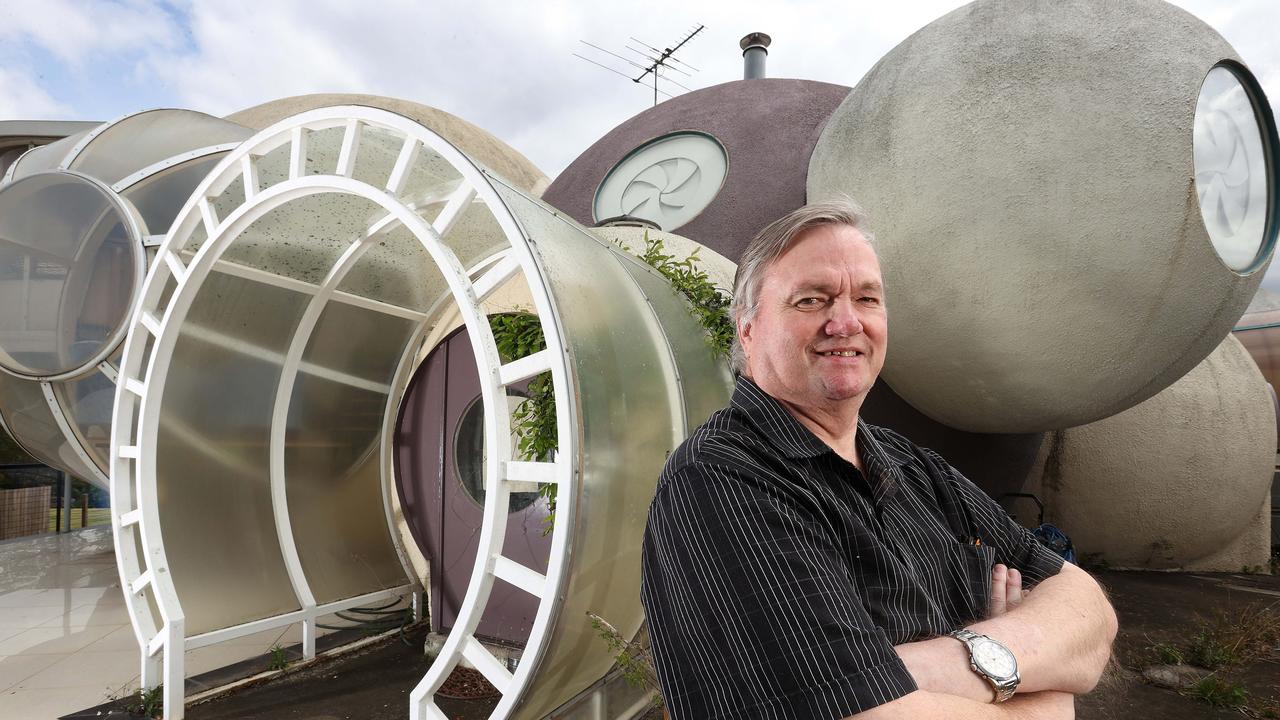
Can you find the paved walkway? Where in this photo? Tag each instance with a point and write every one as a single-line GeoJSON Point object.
{"type": "Point", "coordinates": [65, 639]}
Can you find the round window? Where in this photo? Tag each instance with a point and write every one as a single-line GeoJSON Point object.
{"type": "Point", "coordinates": [667, 181]}
{"type": "Point", "coordinates": [70, 263]}
{"type": "Point", "coordinates": [1230, 148]}
{"type": "Point", "coordinates": [469, 461]}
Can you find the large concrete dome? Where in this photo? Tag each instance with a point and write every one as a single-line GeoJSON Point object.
{"type": "Point", "coordinates": [1030, 174]}
{"type": "Point", "coordinates": [715, 165]}
{"type": "Point", "coordinates": [476, 142]}
{"type": "Point", "coordinates": [1179, 480]}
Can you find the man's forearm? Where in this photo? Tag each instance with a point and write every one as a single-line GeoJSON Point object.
{"type": "Point", "coordinates": [1060, 634]}
{"type": "Point", "coordinates": [925, 704]}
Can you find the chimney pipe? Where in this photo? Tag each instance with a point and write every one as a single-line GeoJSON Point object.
{"type": "Point", "coordinates": [755, 48]}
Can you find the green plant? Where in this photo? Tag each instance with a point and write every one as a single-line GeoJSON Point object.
{"type": "Point", "coordinates": [632, 658]}
{"type": "Point", "coordinates": [1220, 692]}
{"type": "Point", "coordinates": [1168, 654]}
{"type": "Point", "coordinates": [1209, 651]}
{"type": "Point", "coordinates": [710, 306]}
{"type": "Point", "coordinates": [147, 702]}
{"type": "Point", "coordinates": [279, 660]}
{"type": "Point", "coordinates": [519, 335]}
{"type": "Point", "coordinates": [1234, 639]}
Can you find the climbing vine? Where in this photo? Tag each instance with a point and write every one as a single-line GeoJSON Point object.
{"type": "Point", "coordinates": [519, 335]}
{"type": "Point", "coordinates": [709, 304]}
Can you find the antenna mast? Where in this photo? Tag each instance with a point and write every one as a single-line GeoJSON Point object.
{"type": "Point", "coordinates": [659, 61]}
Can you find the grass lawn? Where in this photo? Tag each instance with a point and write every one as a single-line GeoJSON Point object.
{"type": "Point", "coordinates": [97, 516]}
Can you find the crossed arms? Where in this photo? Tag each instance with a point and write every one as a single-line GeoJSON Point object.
{"type": "Point", "coordinates": [1061, 636]}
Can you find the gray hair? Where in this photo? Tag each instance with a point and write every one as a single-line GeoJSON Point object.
{"type": "Point", "coordinates": [769, 244]}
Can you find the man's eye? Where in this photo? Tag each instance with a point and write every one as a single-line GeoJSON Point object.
{"type": "Point", "coordinates": [808, 302]}
{"type": "Point", "coordinates": [871, 300]}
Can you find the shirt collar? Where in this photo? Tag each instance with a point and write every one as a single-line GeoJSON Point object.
{"type": "Point", "coordinates": [882, 461]}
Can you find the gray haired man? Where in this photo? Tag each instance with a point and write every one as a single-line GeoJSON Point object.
{"type": "Point", "coordinates": [801, 563]}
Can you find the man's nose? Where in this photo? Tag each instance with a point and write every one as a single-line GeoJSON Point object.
{"type": "Point", "coordinates": [843, 320]}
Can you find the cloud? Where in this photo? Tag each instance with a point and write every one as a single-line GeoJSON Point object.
{"type": "Point", "coordinates": [74, 31]}
{"type": "Point", "coordinates": [21, 97]}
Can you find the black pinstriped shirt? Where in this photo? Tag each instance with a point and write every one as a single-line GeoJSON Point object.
{"type": "Point", "coordinates": [777, 577]}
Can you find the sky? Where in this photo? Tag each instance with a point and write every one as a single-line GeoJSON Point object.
{"type": "Point", "coordinates": [509, 67]}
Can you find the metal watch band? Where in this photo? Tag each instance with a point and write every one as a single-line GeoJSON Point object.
{"type": "Point", "coordinates": [1003, 689]}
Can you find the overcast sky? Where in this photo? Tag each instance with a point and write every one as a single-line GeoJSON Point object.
{"type": "Point", "coordinates": [508, 67]}
{"type": "Point", "coordinates": [505, 66]}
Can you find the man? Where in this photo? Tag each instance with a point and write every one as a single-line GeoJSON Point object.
{"type": "Point", "coordinates": [799, 563]}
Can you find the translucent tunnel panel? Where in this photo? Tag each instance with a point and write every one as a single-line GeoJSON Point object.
{"type": "Point", "coordinates": [88, 402]}
{"type": "Point", "coordinates": [32, 424]}
{"type": "Point", "coordinates": [212, 454]}
{"type": "Point", "coordinates": [46, 157]}
{"type": "Point", "coordinates": [379, 149]}
{"type": "Point", "coordinates": [159, 197]}
{"type": "Point", "coordinates": [332, 452]}
{"type": "Point", "coordinates": [632, 413]}
{"type": "Point", "coordinates": [304, 242]}
{"type": "Point", "coordinates": [140, 140]}
{"type": "Point", "coordinates": [474, 234]}
{"type": "Point", "coordinates": [70, 263]}
{"type": "Point", "coordinates": [398, 271]}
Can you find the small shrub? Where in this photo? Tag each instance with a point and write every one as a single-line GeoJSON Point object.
{"type": "Point", "coordinates": [279, 660]}
{"type": "Point", "coordinates": [1220, 692]}
{"type": "Point", "coordinates": [633, 659]}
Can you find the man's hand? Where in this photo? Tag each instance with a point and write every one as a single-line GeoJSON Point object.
{"type": "Point", "coordinates": [1006, 590]}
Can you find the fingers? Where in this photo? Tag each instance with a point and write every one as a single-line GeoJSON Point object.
{"type": "Point", "coordinates": [1013, 589]}
{"type": "Point", "coordinates": [999, 590]}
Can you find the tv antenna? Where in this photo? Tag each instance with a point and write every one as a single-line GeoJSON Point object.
{"type": "Point", "coordinates": [659, 62]}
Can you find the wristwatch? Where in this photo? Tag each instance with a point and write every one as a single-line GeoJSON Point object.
{"type": "Point", "coordinates": [993, 661]}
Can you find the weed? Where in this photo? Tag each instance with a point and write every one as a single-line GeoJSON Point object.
{"type": "Point", "coordinates": [279, 660]}
{"type": "Point", "coordinates": [1236, 639]}
{"type": "Point", "coordinates": [1220, 692]}
{"type": "Point", "coordinates": [632, 657]}
{"type": "Point", "coordinates": [1167, 654]}
{"type": "Point", "coordinates": [147, 702]}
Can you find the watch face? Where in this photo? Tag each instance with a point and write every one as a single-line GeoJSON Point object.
{"type": "Point", "coordinates": [994, 659]}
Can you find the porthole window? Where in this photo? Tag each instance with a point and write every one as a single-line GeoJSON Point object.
{"type": "Point", "coordinates": [667, 181]}
{"type": "Point", "coordinates": [1233, 147]}
{"type": "Point", "coordinates": [469, 461]}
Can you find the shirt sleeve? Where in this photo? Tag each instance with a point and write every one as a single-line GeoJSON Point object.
{"type": "Point", "coordinates": [751, 610]}
{"type": "Point", "coordinates": [1015, 545]}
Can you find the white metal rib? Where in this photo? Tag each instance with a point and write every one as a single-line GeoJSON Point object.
{"type": "Point", "coordinates": [297, 152]}
{"type": "Point", "coordinates": [525, 368]}
{"type": "Point", "coordinates": [458, 201]}
{"type": "Point", "coordinates": [209, 216]}
{"type": "Point", "coordinates": [350, 148]}
{"type": "Point", "coordinates": [487, 664]}
{"type": "Point", "coordinates": [249, 176]}
{"type": "Point", "coordinates": [525, 578]}
{"type": "Point", "coordinates": [404, 161]}
{"type": "Point", "coordinates": [495, 277]}
{"type": "Point", "coordinates": [533, 472]}
{"type": "Point", "coordinates": [131, 518]}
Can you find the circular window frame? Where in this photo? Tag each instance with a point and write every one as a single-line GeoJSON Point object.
{"type": "Point", "coordinates": [1265, 119]}
{"type": "Point", "coordinates": [724, 152]}
{"type": "Point", "coordinates": [136, 229]}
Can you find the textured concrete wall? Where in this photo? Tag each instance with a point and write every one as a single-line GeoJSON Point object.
{"type": "Point", "coordinates": [1028, 170]}
{"type": "Point", "coordinates": [768, 129]}
{"type": "Point", "coordinates": [476, 142]}
{"type": "Point", "coordinates": [1182, 480]}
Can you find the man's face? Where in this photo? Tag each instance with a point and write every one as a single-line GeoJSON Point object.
{"type": "Point", "coordinates": [820, 332]}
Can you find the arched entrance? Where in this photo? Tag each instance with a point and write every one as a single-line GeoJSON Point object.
{"type": "Point", "coordinates": [439, 462]}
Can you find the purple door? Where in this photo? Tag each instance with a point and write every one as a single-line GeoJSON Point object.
{"type": "Point", "coordinates": [439, 458]}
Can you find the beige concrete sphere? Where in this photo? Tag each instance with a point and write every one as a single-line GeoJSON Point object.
{"type": "Point", "coordinates": [477, 143]}
{"type": "Point", "coordinates": [1175, 479]}
{"type": "Point", "coordinates": [1028, 171]}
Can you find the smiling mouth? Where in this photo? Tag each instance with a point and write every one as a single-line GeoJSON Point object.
{"type": "Point", "coordinates": [840, 353]}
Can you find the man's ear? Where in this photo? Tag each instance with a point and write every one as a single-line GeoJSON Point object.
{"type": "Point", "coordinates": [744, 333]}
